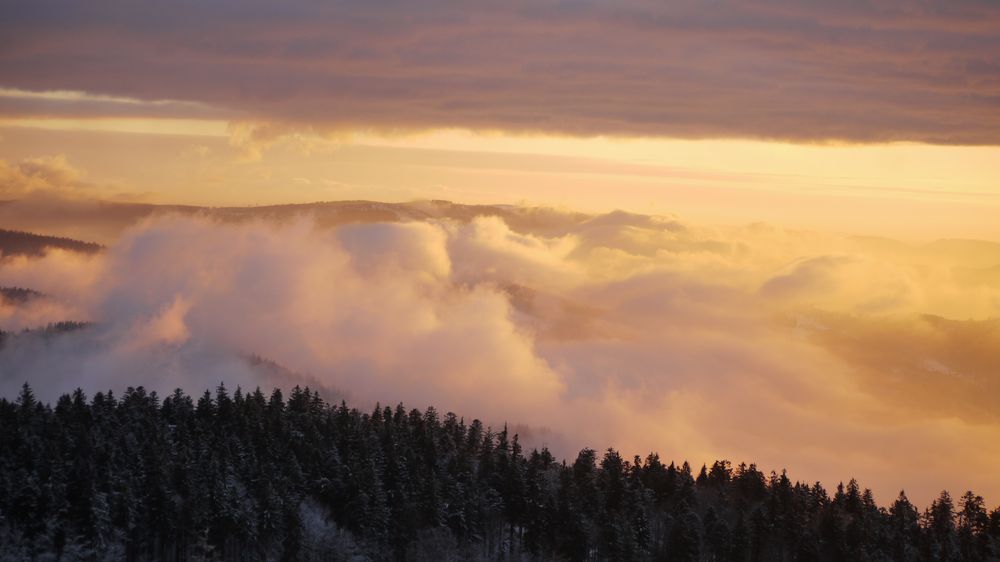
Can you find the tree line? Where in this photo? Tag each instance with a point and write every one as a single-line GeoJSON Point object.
{"type": "Point", "coordinates": [18, 243]}
{"type": "Point", "coordinates": [249, 476]}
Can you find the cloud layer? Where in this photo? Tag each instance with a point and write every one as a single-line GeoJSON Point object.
{"type": "Point", "coordinates": [857, 71]}
{"type": "Point", "coordinates": [828, 355]}
{"type": "Point", "coordinates": [42, 175]}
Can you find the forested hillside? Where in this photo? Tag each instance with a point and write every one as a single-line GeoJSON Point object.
{"type": "Point", "coordinates": [253, 477]}
{"type": "Point", "coordinates": [14, 243]}
{"type": "Point", "coordinates": [18, 295]}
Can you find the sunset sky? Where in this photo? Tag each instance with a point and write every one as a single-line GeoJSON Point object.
{"type": "Point", "coordinates": [854, 117]}
{"type": "Point", "coordinates": [808, 235]}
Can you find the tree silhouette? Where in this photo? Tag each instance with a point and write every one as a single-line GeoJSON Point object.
{"type": "Point", "coordinates": [253, 477]}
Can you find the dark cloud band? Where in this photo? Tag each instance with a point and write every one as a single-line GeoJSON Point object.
{"type": "Point", "coordinates": [850, 71]}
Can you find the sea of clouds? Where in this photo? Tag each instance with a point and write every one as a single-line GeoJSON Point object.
{"type": "Point", "coordinates": [831, 355]}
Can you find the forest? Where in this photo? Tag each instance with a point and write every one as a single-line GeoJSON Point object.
{"type": "Point", "coordinates": [17, 243]}
{"type": "Point", "coordinates": [249, 476]}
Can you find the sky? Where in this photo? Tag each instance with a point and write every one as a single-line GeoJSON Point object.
{"type": "Point", "coordinates": [861, 116]}
{"type": "Point", "coordinates": [720, 211]}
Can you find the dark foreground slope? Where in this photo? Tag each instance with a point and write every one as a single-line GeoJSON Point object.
{"type": "Point", "coordinates": [251, 477]}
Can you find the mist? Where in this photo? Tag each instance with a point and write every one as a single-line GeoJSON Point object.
{"type": "Point", "coordinates": [832, 356]}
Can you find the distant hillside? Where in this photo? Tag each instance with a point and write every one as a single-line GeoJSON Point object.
{"type": "Point", "coordinates": [17, 243]}
{"type": "Point", "coordinates": [335, 213]}
{"type": "Point", "coordinates": [48, 331]}
{"type": "Point", "coordinates": [978, 253]}
{"type": "Point", "coordinates": [105, 221]}
{"type": "Point", "coordinates": [18, 295]}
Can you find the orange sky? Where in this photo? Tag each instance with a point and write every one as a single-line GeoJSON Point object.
{"type": "Point", "coordinates": [905, 190]}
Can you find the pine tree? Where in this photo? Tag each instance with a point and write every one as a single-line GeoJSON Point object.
{"type": "Point", "coordinates": [254, 478]}
{"type": "Point", "coordinates": [940, 520]}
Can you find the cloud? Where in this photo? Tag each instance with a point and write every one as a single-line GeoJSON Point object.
{"type": "Point", "coordinates": [44, 174]}
{"type": "Point", "coordinates": [849, 282]}
{"type": "Point", "coordinates": [643, 333]}
{"type": "Point", "coordinates": [859, 72]}
{"type": "Point", "coordinates": [61, 103]}
{"type": "Point", "coordinates": [51, 180]}
{"type": "Point", "coordinates": [486, 249]}
{"type": "Point", "coordinates": [928, 365]}
{"type": "Point", "coordinates": [37, 311]}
